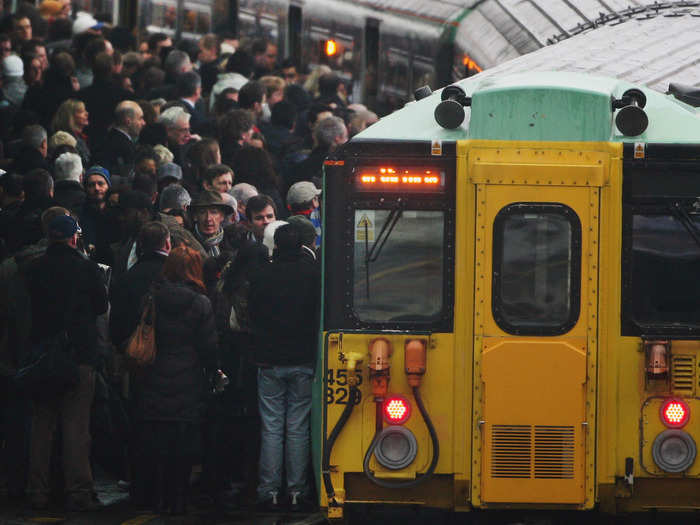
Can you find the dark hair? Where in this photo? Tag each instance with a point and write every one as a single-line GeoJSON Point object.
{"type": "Point", "coordinates": [152, 77]}
{"type": "Point", "coordinates": [233, 124]}
{"type": "Point", "coordinates": [62, 64]}
{"type": "Point", "coordinates": [289, 62]}
{"type": "Point", "coordinates": [153, 134]}
{"type": "Point", "coordinates": [36, 184]}
{"type": "Point", "coordinates": [287, 239]}
{"type": "Point", "coordinates": [186, 84]}
{"type": "Point", "coordinates": [284, 114]}
{"type": "Point", "coordinates": [179, 212]}
{"type": "Point", "coordinates": [223, 103]}
{"type": "Point", "coordinates": [313, 112]}
{"type": "Point", "coordinates": [214, 171]}
{"type": "Point", "coordinates": [93, 48]}
{"type": "Point", "coordinates": [251, 93]}
{"type": "Point", "coordinates": [102, 66]}
{"type": "Point", "coordinates": [145, 184]}
{"type": "Point", "coordinates": [254, 166]}
{"type": "Point", "coordinates": [297, 95]}
{"type": "Point", "coordinates": [143, 152]}
{"type": "Point", "coordinates": [155, 39]}
{"type": "Point", "coordinates": [29, 47]}
{"type": "Point", "coordinates": [200, 156]}
{"type": "Point", "coordinates": [151, 238]}
{"type": "Point", "coordinates": [258, 46]}
{"type": "Point", "coordinates": [258, 203]}
{"type": "Point", "coordinates": [184, 265]}
{"type": "Point", "coordinates": [328, 84]}
{"type": "Point", "coordinates": [60, 29]}
{"type": "Point", "coordinates": [122, 39]}
{"type": "Point", "coordinates": [11, 183]}
{"type": "Point", "coordinates": [240, 62]}
{"type": "Point", "coordinates": [149, 112]}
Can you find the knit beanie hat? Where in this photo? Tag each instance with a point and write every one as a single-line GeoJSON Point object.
{"type": "Point", "coordinates": [102, 172]}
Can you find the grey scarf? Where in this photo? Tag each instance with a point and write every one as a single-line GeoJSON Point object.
{"type": "Point", "coordinates": [210, 244]}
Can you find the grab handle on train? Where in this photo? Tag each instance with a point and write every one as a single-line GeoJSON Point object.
{"type": "Point", "coordinates": [352, 360]}
{"type": "Point", "coordinates": [450, 112]}
{"type": "Point", "coordinates": [631, 119]}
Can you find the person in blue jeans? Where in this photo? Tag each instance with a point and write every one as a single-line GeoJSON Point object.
{"type": "Point", "coordinates": [284, 307]}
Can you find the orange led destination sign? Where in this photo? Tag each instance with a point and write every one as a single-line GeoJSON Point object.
{"type": "Point", "coordinates": [400, 179]}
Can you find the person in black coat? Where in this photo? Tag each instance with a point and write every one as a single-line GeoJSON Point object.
{"type": "Point", "coordinates": [128, 290]}
{"type": "Point", "coordinates": [284, 306]}
{"type": "Point", "coordinates": [171, 402]}
{"type": "Point", "coordinates": [118, 149]}
{"type": "Point", "coordinates": [101, 99]}
{"type": "Point", "coordinates": [67, 293]}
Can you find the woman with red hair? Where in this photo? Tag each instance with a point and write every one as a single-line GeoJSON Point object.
{"type": "Point", "coordinates": [170, 400]}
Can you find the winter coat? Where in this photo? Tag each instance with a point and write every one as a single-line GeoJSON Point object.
{"type": "Point", "coordinates": [70, 194]}
{"type": "Point", "coordinates": [173, 388]}
{"type": "Point", "coordinates": [67, 293]}
{"type": "Point", "coordinates": [127, 293]}
{"type": "Point", "coordinates": [116, 153]}
{"type": "Point", "coordinates": [284, 307]}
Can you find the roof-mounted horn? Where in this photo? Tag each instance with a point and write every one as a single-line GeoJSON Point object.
{"type": "Point", "coordinates": [631, 120]}
{"type": "Point", "coordinates": [450, 112]}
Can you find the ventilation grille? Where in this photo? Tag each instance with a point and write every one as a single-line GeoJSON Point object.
{"type": "Point", "coordinates": [554, 452]}
{"type": "Point", "coordinates": [683, 373]}
{"type": "Point", "coordinates": [511, 451]}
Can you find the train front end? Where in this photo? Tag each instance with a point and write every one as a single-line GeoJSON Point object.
{"type": "Point", "coordinates": [511, 317]}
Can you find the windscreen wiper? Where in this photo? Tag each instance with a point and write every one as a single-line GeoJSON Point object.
{"type": "Point", "coordinates": [371, 255]}
{"type": "Point", "coordinates": [682, 216]}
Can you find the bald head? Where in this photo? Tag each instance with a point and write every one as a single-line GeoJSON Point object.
{"type": "Point", "coordinates": [128, 116]}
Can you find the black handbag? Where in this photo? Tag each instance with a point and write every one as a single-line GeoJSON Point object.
{"type": "Point", "coordinates": [52, 370]}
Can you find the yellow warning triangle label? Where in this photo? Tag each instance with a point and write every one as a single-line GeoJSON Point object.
{"type": "Point", "coordinates": [364, 221]}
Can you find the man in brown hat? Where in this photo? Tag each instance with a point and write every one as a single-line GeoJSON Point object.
{"type": "Point", "coordinates": [208, 212]}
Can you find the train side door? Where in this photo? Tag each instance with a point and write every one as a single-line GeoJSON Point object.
{"type": "Point", "coordinates": [535, 324]}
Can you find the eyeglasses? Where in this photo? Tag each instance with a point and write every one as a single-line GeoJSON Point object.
{"type": "Point", "coordinates": [182, 130]}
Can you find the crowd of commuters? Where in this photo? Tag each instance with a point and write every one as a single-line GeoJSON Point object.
{"type": "Point", "coordinates": [185, 174]}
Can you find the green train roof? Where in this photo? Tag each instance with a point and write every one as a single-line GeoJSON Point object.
{"type": "Point", "coordinates": [541, 106]}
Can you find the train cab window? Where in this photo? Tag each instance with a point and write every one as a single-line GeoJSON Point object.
{"type": "Point", "coordinates": [398, 265]}
{"type": "Point", "coordinates": [536, 268]}
{"type": "Point", "coordinates": [660, 270]}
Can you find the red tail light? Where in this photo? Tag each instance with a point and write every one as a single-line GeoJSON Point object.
{"type": "Point", "coordinates": [397, 410]}
{"type": "Point", "coordinates": [675, 413]}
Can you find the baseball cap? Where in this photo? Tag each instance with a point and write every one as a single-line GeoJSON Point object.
{"type": "Point", "coordinates": [85, 21]}
{"type": "Point", "coordinates": [63, 227]}
{"type": "Point", "coordinates": [12, 66]}
{"type": "Point", "coordinates": [301, 192]}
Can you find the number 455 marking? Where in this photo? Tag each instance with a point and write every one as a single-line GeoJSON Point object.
{"type": "Point", "coordinates": [337, 391]}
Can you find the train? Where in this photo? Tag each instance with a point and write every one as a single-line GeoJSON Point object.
{"type": "Point", "coordinates": [511, 313]}
{"type": "Point", "coordinates": [384, 49]}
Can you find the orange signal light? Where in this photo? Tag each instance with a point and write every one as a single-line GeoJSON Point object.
{"type": "Point", "coordinates": [470, 64]}
{"type": "Point", "coordinates": [331, 48]}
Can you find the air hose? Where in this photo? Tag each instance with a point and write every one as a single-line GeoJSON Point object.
{"type": "Point", "coordinates": [326, 463]}
{"type": "Point", "coordinates": [421, 478]}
